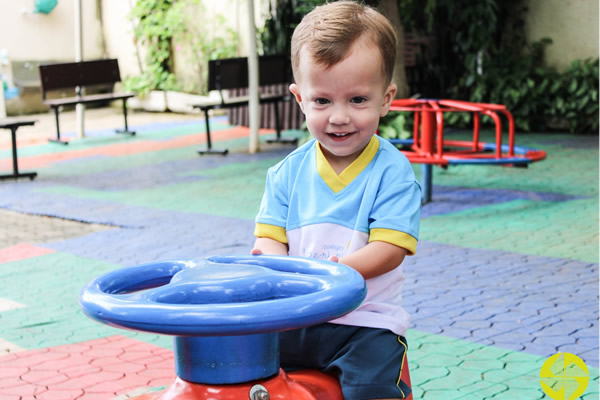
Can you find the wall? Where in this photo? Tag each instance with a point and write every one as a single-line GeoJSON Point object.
{"type": "Point", "coordinates": [29, 36]}
{"type": "Point", "coordinates": [120, 43]}
{"type": "Point", "coordinates": [28, 39]}
{"type": "Point", "coordinates": [118, 35]}
{"type": "Point", "coordinates": [571, 24]}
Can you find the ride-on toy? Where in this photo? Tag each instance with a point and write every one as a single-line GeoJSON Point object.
{"type": "Point", "coordinates": [225, 314]}
{"type": "Point", "coordinates": [429, 147]}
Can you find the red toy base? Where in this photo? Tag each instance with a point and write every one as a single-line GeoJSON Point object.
{"type": "Point", "coordinates": [300, 385]}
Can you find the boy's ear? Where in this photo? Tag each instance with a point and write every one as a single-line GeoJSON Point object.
{"type": "Point", "coordinates": [388, 97]}
{"type": "Point", "coordinates": [296, 92]}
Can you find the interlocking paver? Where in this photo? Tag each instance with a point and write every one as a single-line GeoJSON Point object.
{"type": "Point", "coordinates": [506, 271]}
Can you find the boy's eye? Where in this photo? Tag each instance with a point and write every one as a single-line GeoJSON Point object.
{"type": "Point", "coordinates": [321, 101]}
{"type": "Point", "coordinates": [358, 100]}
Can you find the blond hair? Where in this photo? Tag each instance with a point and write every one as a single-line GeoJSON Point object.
{"type": "Point", "coordinates": [329, 31]}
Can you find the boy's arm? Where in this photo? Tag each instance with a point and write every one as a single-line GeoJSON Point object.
{"type": "Point", "coordinates": [264, 245]}
{"type": "Point", "coordinates": [375, 259]}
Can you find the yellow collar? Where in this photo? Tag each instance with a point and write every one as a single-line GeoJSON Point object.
{"type": "Point", "coordinates": [338, 182]}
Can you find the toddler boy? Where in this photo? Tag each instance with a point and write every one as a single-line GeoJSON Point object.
{"type": "Point", "coordinates": [346, 196]}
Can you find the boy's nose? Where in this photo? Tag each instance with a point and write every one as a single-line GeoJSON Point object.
{"type": "Point", "coordinates": [339, 116]}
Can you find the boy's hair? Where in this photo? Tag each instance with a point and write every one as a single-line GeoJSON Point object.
{"type": "Point", "coordinates": [328, 32]}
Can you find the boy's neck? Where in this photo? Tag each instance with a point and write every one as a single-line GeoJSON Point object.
{"type": "Point", "coordinates": [339, 164]}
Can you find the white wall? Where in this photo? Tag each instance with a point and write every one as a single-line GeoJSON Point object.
{"type": "Point", "coordinates": [118, 35]}
{"type": "Point", "coordinates": [27, 39]}
{"type": "Point", "coordinates": [571, 24]}
{"type": "Point", "coordinates": [236, 12]}
{"type": "Point", "coordinates": [28, 36]}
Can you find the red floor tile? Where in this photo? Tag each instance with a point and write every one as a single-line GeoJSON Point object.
{"type": "Point", "coordinates": [102, 368]}
{"type": "Point", "coordinates": [21, 252]}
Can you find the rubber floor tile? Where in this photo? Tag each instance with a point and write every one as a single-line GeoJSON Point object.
{"type": "Point", "coordinates": [22, 251]}
{"type": "Point", "coordinates": [52, 374]}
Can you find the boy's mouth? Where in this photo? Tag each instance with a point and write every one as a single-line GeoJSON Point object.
{"type": "Point", "coordinates": [339, 134]}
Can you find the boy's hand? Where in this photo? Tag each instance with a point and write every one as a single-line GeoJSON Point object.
{"type": "Point", "coordinates": [333, 259]}
{"type": "Point", "coordinates": [269, 246]}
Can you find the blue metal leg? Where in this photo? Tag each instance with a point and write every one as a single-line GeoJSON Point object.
{"type": "Point", "coordinates": [426, 179]}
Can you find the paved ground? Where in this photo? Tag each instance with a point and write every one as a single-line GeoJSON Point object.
{"type": "Point", "coordinates": [505, 276]}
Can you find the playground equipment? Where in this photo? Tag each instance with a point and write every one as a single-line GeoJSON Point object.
{"type": "Point", "coordinates": [225, 314]}
{"type": "Point", "coordinates": [428, 146]}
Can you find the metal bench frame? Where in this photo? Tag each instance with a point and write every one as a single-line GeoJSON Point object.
{"type": "Point", "coordinates": [78, 75]}
{"type": "Point", "coordinates": [13, 124]}
{"type": "Point", "coordinates": [232, 73]}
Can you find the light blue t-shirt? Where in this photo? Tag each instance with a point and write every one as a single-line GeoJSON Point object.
{"type": "Point", "coordinates": [319, 214]}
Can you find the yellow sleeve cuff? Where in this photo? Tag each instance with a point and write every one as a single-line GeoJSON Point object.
{"type": "Point", "coordinates": [396, 238]}
{"type": "Point", "coordinates": [271, 231]}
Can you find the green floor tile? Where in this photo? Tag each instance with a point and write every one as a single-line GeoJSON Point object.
{"type": "Point", "coordinates": [483, 373]}
{"type": "Point", "coordinates": [518, 227]}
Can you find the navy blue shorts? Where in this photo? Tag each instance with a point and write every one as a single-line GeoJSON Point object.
{"type": "Point", "coordinates": [367, 361]}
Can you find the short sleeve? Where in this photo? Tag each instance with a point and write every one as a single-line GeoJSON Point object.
{"type": "Point", "coordinates": [396, 213]}
{"type": "Point", "coordinates": [274, 205]}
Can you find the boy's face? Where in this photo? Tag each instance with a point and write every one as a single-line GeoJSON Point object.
{"type": "Point", "coordinates": [343, 103]}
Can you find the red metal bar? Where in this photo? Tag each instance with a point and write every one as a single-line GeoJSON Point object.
{"type": "Point", "coordinates": [416, 130]}
{"type": "Point", "coordinates": [461, 105]}
{"type": "Point", "coordinates": [498, 123]}
{"type": "Point", "coordinates": [429, 146]}
{"type": "Point", "coordinates": [405, 102]}
{"type": "Point", "coordinates": [475, 130]}
{"type": "Point", "coordinates": [427, 132]}
{"type": "Point", "coordinates": [492, 106]}
{"type": "Point", "coordinates": [536, 155]}
{"type": "Point", "coordinates": [511, 132]}
{"type": "Point", "coordinates": [424, 159]}
{"type": "Point", "coordinates": [463, 143]}
{"type": "Point", "coordinates": [439, 119]}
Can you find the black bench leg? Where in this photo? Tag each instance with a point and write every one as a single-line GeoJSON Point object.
{"type": "Point", "coordinates": [57, 140]}
{"type": "Point", "coordinates": [209, 149]}
{"type": "Point", "coordinates": [279, 139]}
{"type": "Point", "coordinates": [16, 174]}
{"type": "Point", "coordinates": [126, 130]}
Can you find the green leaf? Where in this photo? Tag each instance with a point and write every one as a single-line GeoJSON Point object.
{"type": "Point", "coordinates": [573, 86]}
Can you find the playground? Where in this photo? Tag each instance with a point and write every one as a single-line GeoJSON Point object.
{"type": "Point", "coordinates": [505, 274]}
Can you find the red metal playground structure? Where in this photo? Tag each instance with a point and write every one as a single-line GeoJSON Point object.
{"type": "Point", "coordinates": [428, 146]}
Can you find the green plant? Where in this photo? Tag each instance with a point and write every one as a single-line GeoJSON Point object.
{"type": "Point", "coordinates": [571, 96]}
{"type": "Point", "coordinates": [482, 55]}
{"type": "Point", "coordinates": [396, 126]}
{"type": "Point", "coordinates": [512, 81]}
{"type": "Point", "coordinates": [206, 37]}
{"type": "Point", "coordinates": [159, 23]}
{"type": "Point", "coordinates": [276, 35]}
{"type": "Point", "coordinates": [154, 30]}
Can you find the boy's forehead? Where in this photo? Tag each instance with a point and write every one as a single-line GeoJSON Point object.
{"type": "Point", "coordinates": [364, 46]}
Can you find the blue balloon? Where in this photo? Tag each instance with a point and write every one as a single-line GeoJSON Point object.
{"type": "Point", "coordinates": [45, 6]}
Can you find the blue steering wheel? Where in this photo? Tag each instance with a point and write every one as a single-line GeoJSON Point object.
{"type": "Point", "coordinates": [224, 295]}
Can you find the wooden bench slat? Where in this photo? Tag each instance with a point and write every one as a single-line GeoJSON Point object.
{"type": "Point", "coordinates": [92, 98]}
{"type": "Point", "coordinates": [241, 100]}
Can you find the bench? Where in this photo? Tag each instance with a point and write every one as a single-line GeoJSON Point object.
{"type": "Point", "coordinates": [232, 74]}
{"type": "Point", "coordinates": [76, 76]}
{"type": "Point", "coordinates": [13, 124]}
